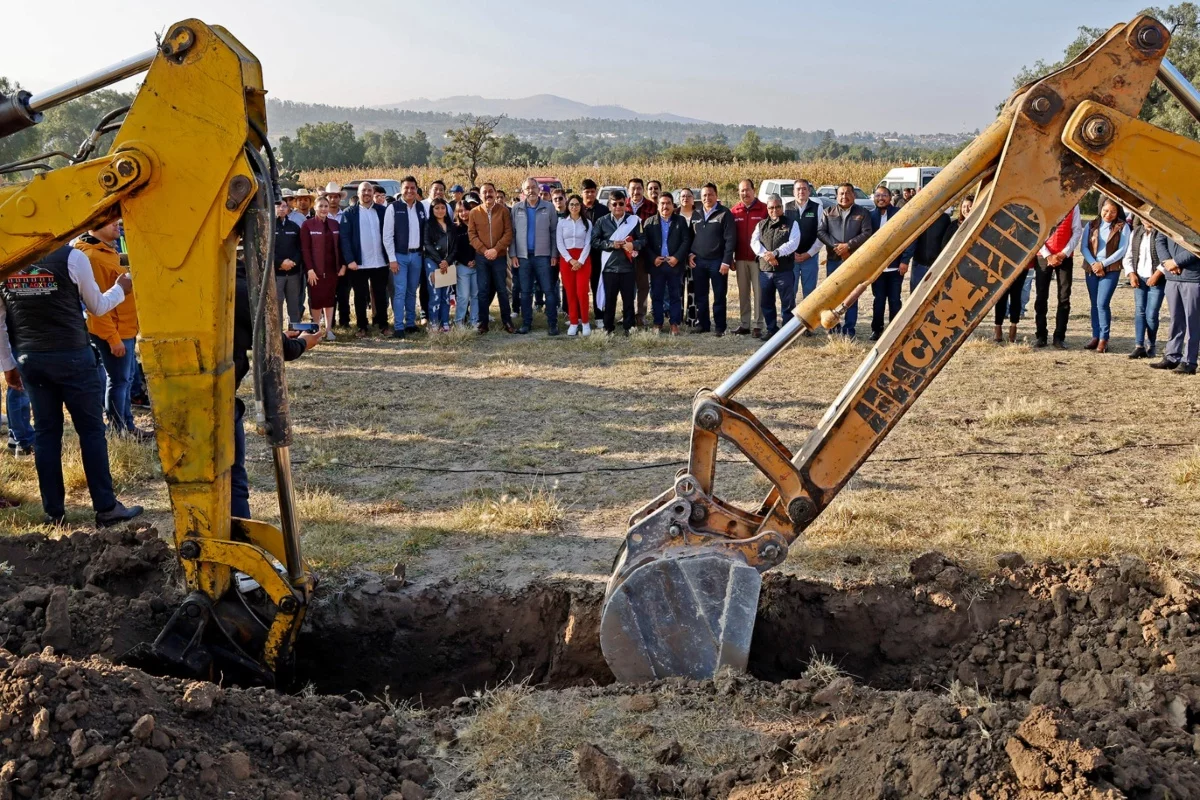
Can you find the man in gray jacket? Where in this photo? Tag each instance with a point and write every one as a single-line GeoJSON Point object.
{"type": "Point", "coordinates": [534, 252]}
{"type": "Point", "coordinates": [843, 229]}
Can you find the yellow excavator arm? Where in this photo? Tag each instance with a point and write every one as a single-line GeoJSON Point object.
{"type": "Point", "coordinates": [186, 175]}
{"type": "Point", "coordinates": [684, 591]}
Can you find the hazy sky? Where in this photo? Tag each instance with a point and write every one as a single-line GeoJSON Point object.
{"type": "Point", "coordinates": [915, 66]}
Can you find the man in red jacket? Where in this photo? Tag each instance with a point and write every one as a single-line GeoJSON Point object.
{"type": "Point", "coordinates": [746, 216]}
{"type": "Point", "coordinates": [1055, 263]}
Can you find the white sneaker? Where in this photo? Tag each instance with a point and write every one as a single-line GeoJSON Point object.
{"type": "Point", "coordinates": [587, 329]}
{"type": "Point", "coordinates": [572, 330]}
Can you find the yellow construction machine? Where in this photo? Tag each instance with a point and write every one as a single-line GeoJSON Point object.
{"type": "Point", "coordinates": [191, 174]}
{"type": "Point", "coordinates": [684, 591]}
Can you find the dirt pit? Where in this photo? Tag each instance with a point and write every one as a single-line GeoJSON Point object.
{"type": "Point", "coordinates": [1047, 680]}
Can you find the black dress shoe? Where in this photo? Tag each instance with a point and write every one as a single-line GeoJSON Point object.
{"type": "Point", "coordinates": [55, 521]}
{"type": "Point", "coordinates": [1185, 369]}
{"type": "Point", "coordinates": [523, 329]}
{"type": "Point", "coordinates": [398, 334]}
{"type": "Point", "coordinates": [1059, 344]}
{"type": "Point", "coordinates": [116, 515]}
{"type": "Point", "coordinates": [875, 337]}
{"type": "Point", "coordinates": [552, 332]}
{"type": "Point", "coordinates": [411, 329]}
{"type": "Point", "coordinates": [1138, 352]}
{"type": "Point", "coordinates": [1164, 364]}
{"type": "Point", "coordinates": [1039, 342]}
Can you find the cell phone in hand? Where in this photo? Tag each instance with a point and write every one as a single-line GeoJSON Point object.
{"type": "Point", "coordinates": [304, 327]}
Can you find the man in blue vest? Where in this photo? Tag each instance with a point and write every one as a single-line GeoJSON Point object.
{"type": "Point", "coordinates": [404, 240]}
{"type": "Point", "coordinates": [44, 349]}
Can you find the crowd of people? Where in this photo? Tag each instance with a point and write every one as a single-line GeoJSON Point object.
{"type": "Point", "coordinates": [650, 259]}
{"type": "Point", "coordinates": [645, 259]}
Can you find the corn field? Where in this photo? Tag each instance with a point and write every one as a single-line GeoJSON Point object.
{"type": "Point", "coordinates": [864, 174]}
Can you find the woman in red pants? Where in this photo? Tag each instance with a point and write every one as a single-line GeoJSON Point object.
{"type": "Point", "coordinates": [574, 251]}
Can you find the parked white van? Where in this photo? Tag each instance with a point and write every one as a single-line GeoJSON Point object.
{"type": "Point", "coordinates": [902, 178]}
{"type": "Point", "coordinates": [784, 187]}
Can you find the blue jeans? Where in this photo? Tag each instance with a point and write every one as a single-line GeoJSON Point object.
{"type": "Point", "coordinates": [806, 275]}
{"type": "Point", "coordinates": [668, 281]}
{"type": "Point", "coordinates": [467, 292]}
{"type": "Point", "coordinates": [118, 384]}
{"type": "Point", "coordinates": [20, 429]}
{"type": "Point", "coordinates": [1147, 302]}
{"type": "Point", "coordinates": [1026, 291]}
{"type": "Point", "coordinates": [916, 272]}
{"type": "Point", "coordinates": [851, 318]}
{"type": "Point", "coordinates": [53, 379]}
{"type": "Point", "coordinates": [439, 299]}
{"type": "Point", "coordinates": [784, 282]}
{"type": "Point", "coordinates": [1100, 290]}
{"type": "Point", "coordinates": [405, 283]}
{"type": "Point", "coordinates": [537, 267]}
{"type": "Point", "coordinates": [708, 270]}
{"type": "Point", "coordinates": [492, 277]}
{"type": "Point", "coordinates": [239, 481]}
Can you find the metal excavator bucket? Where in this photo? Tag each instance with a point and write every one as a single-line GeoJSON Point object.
{"type": "Point", "coordinates": [682, 602]}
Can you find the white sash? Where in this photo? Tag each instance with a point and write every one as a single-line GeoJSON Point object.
{"type": "Point", "coordinates": [624, 229]}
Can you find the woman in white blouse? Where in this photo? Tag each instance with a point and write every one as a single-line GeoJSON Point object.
{"type": "Point", "coordinates": [574, 264]}
{"type": "Point", "coordinates": [1103, 245]}
{"type": "Point", "coordinates": [1148, 282]}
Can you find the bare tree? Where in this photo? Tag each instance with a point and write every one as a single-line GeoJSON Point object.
{"type": "Point", "coordinates": [471, 146]}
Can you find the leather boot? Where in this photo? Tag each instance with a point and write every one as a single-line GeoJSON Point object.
{"type": "Point", "coordinates": [1102, 346]}
{"type": "Point", "coordinates": [999, 333]}
{"type": "Point", "coordinates": [1092, 345]}
{"type": "Point", "coordinates": [1012, 332]}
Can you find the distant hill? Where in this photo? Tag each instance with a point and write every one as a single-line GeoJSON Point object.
{"type": "Point", "coordinates": [538, 106]}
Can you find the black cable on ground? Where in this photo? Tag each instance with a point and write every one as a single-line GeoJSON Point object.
{"type": "Point", "coordinates": [683, 462]}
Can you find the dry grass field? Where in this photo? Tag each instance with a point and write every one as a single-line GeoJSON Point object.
{"type": "Point", "coordinates": [864, 174]}
{"type": "Point", "coordinates": [501, 458]}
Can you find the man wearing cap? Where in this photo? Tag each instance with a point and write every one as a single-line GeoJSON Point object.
{"type": "Point", "coordinates": [456, 197]}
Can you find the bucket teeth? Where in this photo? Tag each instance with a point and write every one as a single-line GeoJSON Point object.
{"type": "Point", "coordinates": [685, 616]}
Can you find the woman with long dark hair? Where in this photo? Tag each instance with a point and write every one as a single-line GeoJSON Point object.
{"type": "Point", "coordinates": [1103, 247]}
{"type": "Point", "coordinates": [575, 264]}
{"type": "Point", "coordinates": [439, 255]}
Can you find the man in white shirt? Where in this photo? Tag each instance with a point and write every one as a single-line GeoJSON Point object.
{"type": "Point", "coordinates": [361, 237]}
{"type": "Point", "coordinates": [1148, 279]}
{"type": "Point", "coordinates": [775, 241]}
{"type": "Point", "coordinates": [886, 288]}
{"type": "Point", "coordinates": [44, 349]}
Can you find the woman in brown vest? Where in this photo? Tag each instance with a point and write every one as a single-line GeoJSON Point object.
{"type": "Point", "coordinates": [1105, 241]}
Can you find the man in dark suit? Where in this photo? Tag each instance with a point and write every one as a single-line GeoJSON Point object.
{"type": "Point", "coordinates": [668, 242]}
{"type": "Point", "coordinates": [886, 288]}
{"type": "Point", "coordinates": [843, 229]}
{"type": "Point", "coordinates": [361, 236]}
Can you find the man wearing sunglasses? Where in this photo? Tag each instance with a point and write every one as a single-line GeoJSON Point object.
{"type": "Point", "coordinates": [619, 239]}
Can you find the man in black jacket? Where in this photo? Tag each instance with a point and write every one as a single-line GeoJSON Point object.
{"type": "Point", "coordinates": [714, 241]}
{"type": "Point", "coordinates": [593, 211]}
{"type": "Point", "coordinates": [843, 229]}
{"type": "Point", "coordinates": [294, 346]}
{"type": "Point", "coordinates": [619, 239]}
{"type": "Point", "coordinates": [927, 248]}
{"type": "Point", "coordinates": [668, 242]}
{"type": "Point", "coordinates": [289, 264]}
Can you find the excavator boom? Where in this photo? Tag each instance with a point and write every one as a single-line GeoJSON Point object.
{"type": "Point", "coordinates": [186, 176]}
{"type": "Point", "coordinates": [684, 591]}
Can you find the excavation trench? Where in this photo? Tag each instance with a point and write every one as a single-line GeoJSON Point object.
{"type": "Point", "coordinates": [436, 642]}
{"type": "Point", "coordinates": [951, 683]}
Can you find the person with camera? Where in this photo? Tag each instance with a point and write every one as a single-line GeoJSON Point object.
{"type": "Point", "coordinates": [44, 349]}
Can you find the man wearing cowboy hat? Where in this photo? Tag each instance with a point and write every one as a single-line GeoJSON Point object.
{"type": "Point", "coordinates": [301, 203]}
{"type": "Point", "coordinates": [333, 193]}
